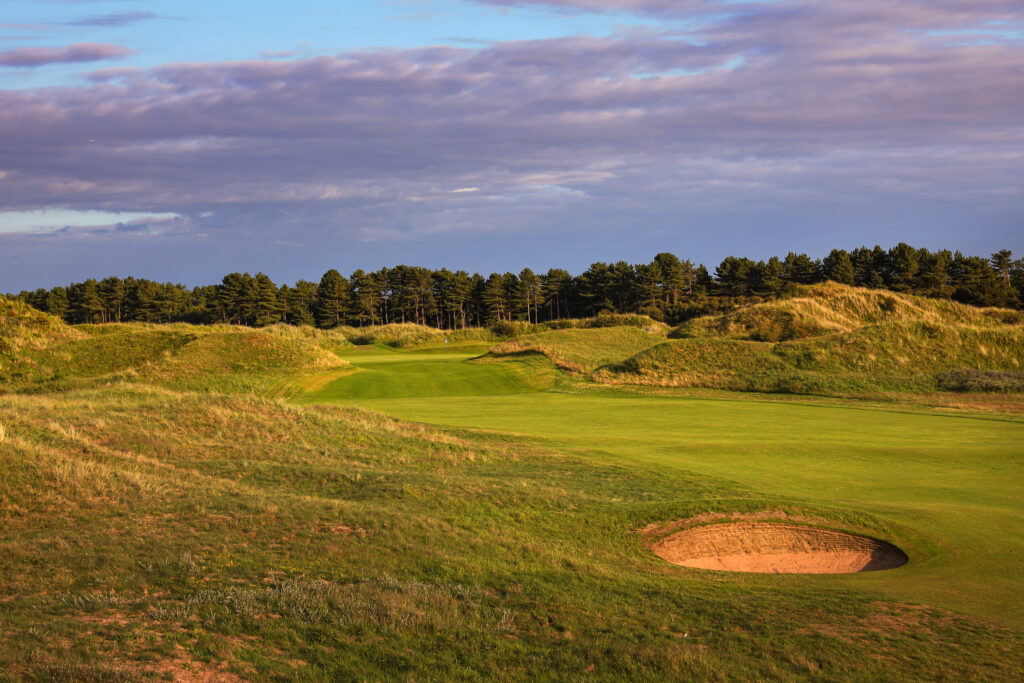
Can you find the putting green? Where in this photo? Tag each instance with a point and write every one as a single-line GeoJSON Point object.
{"type": "Point", "coordinates": [949, 486]}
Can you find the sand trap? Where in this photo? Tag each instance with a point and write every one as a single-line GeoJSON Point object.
{"type": "Point", "coordinates": [777, 549]}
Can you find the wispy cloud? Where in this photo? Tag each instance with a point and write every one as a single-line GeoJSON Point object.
{"type": "Point", "coordinates": [114, 19]}
{"type": "Point", "coordinates": [29, 57]}
{"type": "Point", "coordinates": [57, 220]}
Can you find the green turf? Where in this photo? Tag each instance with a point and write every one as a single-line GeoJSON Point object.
{"type": "Point", "coordinates": [949, 486]}
{"type": "Point", "coordinates": [434, 373]}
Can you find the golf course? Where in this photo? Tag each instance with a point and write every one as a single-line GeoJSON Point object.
{"type": "Point", "coordinates": [226, 503]}
{"type": "Point", "coordinates": [945, 487]}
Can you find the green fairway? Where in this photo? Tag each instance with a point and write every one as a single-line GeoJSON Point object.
{"type": "Point", "coordinates": [946, 487]}
{"type": "Point", "coordinates": [387, 374]}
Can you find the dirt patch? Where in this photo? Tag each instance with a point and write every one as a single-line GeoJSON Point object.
{"type": "Point", "coordinates": [773, 548]}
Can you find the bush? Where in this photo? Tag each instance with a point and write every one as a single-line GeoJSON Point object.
{"type": "Point", "coordinates": [510, 328]}
{"type": "Point", "coordinates": [990, 381]}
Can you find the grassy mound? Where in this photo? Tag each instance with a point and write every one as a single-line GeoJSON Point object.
{"type": "Point", "coordinates": [832, 308]}
{"type": "Point", "coordinates": [411, 335]}
{"type": "Point", "coordinates": [838, 340]}
{"type": "Point", "coordinates": [642, 322]}
{"type": "Point", "coordinates": [23, 328]}
{"type": "Point", "coordinates": [581, 349]}
{"type": "Point", "coordinates": [42, 353]}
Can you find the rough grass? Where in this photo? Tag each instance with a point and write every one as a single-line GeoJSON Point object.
{"type": "Point", "coordinates": [837, 340]}
{"type": "Point", "coordinates": [413, 336]}
{"type": "Point", "coordinates": [182, 355]}
{"type": "Point", "coordinates": [830, 308]}
{"type": "Point", "coordinates": [581, 350]}
{"type": "Point", "coordinates": [410, 335]}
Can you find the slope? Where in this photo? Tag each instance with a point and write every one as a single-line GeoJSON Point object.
{"type": "Point", "coordinates": [838, 340]}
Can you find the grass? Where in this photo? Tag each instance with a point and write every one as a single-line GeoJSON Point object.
{"type": "Point", "coordinates": [224, 503]}
{"type": "Point", "coordinates": [581, 350]}
{"type": "Point", "coordinates": [392, 375]}
{"type": "Point", "coordinates": [965, 471]}
{"type": "Point", "coordinates": [410, 335]}
{"type": "Point", "coordinates": [838, 341]}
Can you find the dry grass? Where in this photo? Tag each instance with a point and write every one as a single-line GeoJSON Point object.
{"type": "Point", "coordinates": [840, 341]}
{"type": "Point", "coordinates": [581, 350]}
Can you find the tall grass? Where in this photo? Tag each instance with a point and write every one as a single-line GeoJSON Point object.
{"type": "Point", "coordinates": [836, 340]}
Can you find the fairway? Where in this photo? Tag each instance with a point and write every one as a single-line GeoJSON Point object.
{"type": "Point", "coordinates": [418, 375]}
{"type": "Point", "coordinates": [946, 487]}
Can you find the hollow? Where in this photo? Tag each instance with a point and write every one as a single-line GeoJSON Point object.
{"type": "Point", "coordinates": [771, 548]}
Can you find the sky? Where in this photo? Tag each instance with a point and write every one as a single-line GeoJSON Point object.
{"type": "Point", "coordinates": [184, 140]}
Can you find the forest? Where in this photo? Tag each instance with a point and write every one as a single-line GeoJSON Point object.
{"type": "Point", "coordinates": [667, 289]}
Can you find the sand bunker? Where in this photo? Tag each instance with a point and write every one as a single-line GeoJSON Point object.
{"type": "Point", "coordinates": [777, 548]}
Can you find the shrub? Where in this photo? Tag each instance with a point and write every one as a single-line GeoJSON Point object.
{"type": "Point", "coordinates": [990, 381]}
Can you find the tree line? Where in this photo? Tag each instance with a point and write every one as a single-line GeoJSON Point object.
{"type": "Point", "coordinates": [668, 289]}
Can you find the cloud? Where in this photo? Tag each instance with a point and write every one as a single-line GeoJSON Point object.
{"type": "Point", "coordinates": [864, 119]}
{"type": "Point", "coordinates": [64, 220]}
{"type": "Point", "coordinates": [79, 52]}
{"type": "Point", "coordinates": [687, 7]}
{"type": "Point", "coordinates": [114, 19]}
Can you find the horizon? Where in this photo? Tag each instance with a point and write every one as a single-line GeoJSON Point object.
{"type": "Point", "coordinates": [709, 266]}
{"type": "Point", "coordinates": [182, 141]}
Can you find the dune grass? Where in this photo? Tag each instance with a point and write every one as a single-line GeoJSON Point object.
{"type": "Point", "coordinates": [838, 341]}
{"type": "Point", "coordinates": [581, 350]}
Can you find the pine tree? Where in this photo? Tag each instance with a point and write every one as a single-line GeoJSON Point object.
{"type": "Point", "coordinates": [57, 302]}
{"type": "Point", "coordinates": [302, 297]}
{"type": "Point", "coordinates": [231, 295]}
{"type": "Point", "coordinates": [493, 298]}
{"type": "Point", "coordinates": [672, 276]}
{"type": "Point", "coordinates": [838, 267]}
{"type": "Point", "coordinates": [86, 305]}
{"type": "Point", "coordinates": [267, 308]}
{"type": "Point", "coordinates": [1002, 262]}
{"type": "Point", "coordinates": [529, 292]}
{"type": "Point", "coordinates": [331, 296]}
{"type": "Point", "coordinates": [557, 286]}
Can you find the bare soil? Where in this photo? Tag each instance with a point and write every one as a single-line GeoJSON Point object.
{"type": "Point", "coordinates": [773, 548]}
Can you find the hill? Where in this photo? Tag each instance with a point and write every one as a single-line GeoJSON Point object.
{"type": "Point", "coordinates": [412, 335]}
{"type": "Point", "coordinates": [23, 328]}
{"type": "Point", "coordinates": [580, 350]}
{"type": "Point", "coordinates": [40, 352]}
{"type": "Point", "coordinates": [830, 308]}
{"type": "Point", "coordinates": [836, 340]}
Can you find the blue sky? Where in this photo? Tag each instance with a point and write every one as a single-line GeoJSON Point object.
{"type": "Point", "coordinates": [191, 31]}
{"type": "Point", "coordinates": [181, 141]}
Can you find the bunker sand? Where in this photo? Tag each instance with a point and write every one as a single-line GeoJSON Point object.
{"type": "Point", "coordinates": [773, 548]}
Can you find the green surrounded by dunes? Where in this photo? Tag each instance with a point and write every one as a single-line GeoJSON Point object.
{"type": "Point", "coordinates": [286, 503]}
